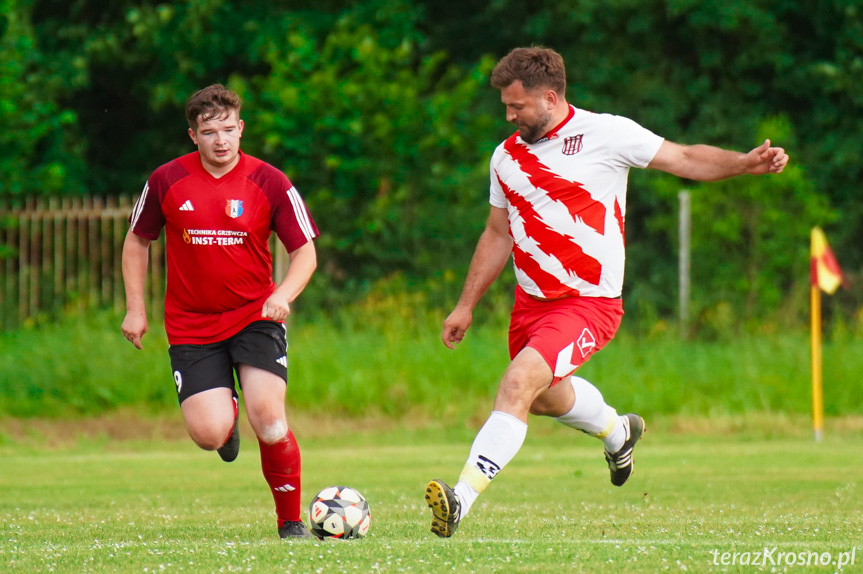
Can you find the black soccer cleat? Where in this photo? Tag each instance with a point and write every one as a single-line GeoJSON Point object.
{"type": "Point", "coordinates": [294, 529]}
{"type": "Point", "coordinates": [231, 448]}
{"type": "Point", "coordinates": [446, 509]}
{"type": "Point", "coordinates": [620, 463]}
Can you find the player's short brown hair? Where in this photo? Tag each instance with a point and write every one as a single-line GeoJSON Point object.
{"type": "Point", "coordinates": [211, 102]}
{"type": "Point", "coordinates": [536, 67]}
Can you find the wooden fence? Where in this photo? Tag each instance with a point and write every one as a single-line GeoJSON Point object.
{"type": "Point", "coordinates": [60, 254]}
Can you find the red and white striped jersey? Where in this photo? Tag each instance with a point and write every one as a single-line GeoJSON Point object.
{"type": "Point", "coordinates": [566, 198]}
{"type": "Point", "coordinates": [217, 232]}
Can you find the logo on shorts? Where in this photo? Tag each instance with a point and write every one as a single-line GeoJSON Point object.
{"type": "Point", "coordinates": [234, 208]}
{"type": "Point", "coordinates": [283, 361]}
{"type": "Point", "coordinates": [586, 343]}
{"type": "Point", "coordinates": [565, 361]}
{"type": "Point", "coordinates": [572, 145]}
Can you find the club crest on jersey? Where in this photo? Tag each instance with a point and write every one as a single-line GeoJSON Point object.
{"type": "Point", "coordinates": [572, 144]}
{"type": "Point", "coordinates": [234, 208]}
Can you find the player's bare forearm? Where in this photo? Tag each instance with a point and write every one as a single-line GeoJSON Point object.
{"type": "Point", "coordinates": [304, 261]}
{"type": "Point", "coordinates": [136, 253]}
{"type": "Point", "coordinates": [709, 163]}
{"type": "Point", "coordinates": [491, 254]}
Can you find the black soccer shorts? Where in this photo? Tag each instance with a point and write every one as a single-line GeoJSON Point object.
{"type": "Point", "coordinates": [198, 368]}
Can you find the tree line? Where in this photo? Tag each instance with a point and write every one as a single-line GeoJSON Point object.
{"type": "Point", "coordinates": [381, 114]}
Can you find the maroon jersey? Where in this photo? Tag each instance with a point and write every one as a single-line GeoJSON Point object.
{"type": "Point", "coordinates": [217, 232]}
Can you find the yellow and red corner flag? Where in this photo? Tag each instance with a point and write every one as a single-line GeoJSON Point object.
{"type": "Point", "coordinates": [824, 275]}
{"type": "Point", "coordinates": [824, 271]}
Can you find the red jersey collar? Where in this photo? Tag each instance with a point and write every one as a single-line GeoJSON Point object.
{"type": "Point", "coordinates": [234, 170]}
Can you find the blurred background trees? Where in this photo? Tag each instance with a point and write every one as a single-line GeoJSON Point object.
{"type": "Point", "coordinates": [381, 114]}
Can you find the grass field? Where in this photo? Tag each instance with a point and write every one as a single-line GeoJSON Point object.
{"type": "Point", "coordinates": [95, 505]}
{"type": "Point", "coordinates": [398, 366]}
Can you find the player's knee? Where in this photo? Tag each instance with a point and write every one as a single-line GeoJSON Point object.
{"type": "Point", "coordinates": [523, 382]}
{"type": "Point", "coordinates": [210, 438]}
{"type": "Point", "coordinates": [515, 381]}
{"type": "Point", "coordinates": [515, 394]}
{"type": "Point", "coordinates": [273, 431]}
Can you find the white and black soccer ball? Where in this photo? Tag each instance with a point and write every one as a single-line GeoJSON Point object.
{"type": "Point", "coordinates": [339, 512]}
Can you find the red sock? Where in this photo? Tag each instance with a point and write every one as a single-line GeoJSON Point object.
{"type": "Point", "coordinates": [280, 463]}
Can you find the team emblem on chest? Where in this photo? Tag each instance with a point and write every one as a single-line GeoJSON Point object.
{"type": "Point", "coordinates": [234, 208]}
{"type": "Point", "coordinates": [572, 144]}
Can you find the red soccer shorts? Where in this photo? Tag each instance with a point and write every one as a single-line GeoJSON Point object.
{"type": "Point", "coordinates": [566, 332]}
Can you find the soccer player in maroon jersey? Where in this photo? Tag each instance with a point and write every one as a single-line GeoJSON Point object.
{"type": "Point", "coordinates": [558, 201]}
{"type": "Point", "coordinates": [223, 311]}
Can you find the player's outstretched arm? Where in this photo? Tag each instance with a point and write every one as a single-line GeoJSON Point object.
{"type": "Point", "coordinates": [491, 254]}
{"type": "Point", "coordinates": [304, 261]}
{"type": "Point", "coordinates": [709, 163]}
{"type": "Point", "coordinates": [136, 255]}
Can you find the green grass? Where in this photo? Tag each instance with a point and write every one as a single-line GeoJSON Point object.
{"type": "Point", "coordinates": [82, 365]}
{"type": "Point", "coordinates": [379, 362]}
{"type": "Point", "coordinates": [102, 506]}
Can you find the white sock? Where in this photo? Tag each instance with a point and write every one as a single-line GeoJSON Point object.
{"type": "Point", "coordinates": [590, 414]}
{"type": "Point", "coordinates": [466, 496]}
{"type": "Point", "coordinates": [495, 445]}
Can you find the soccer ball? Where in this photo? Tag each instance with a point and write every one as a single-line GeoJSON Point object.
{"type": "Point", "coordinates": [339, 512]}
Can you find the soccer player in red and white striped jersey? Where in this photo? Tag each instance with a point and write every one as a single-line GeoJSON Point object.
{"type": "Point", "coordinates": [558, 206]}
{"type": "Point", "coordinates": [223, 311]}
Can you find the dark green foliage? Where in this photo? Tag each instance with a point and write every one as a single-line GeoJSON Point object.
{"type": "Point", "coordinates": [136, 63]}
{"type": "Point", "coordinates": [716, 72]}
{"type": "Point", "coordinates": [38, 151]}
{"type": "Point", "coordinates": [387, 143]}
{"type": "Point", "coordinates": [381, 114]}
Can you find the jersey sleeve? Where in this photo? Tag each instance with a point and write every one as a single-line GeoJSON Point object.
{"type": "Point", "coordinates": [289, 216]}
{"type": "Point", "coordinates": [292, 221]}
{"type": "Point", "coordinates": [496, 197]}
{"type": "Point", "coordinates": [147, 219]}
{"type": "Point", "coordinates": [633, 145]}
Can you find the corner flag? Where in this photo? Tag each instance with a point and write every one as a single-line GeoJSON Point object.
{"type": "Point", "coordinates": [824, 275]}
{"type": "Point", "coordinates": [824, 271]}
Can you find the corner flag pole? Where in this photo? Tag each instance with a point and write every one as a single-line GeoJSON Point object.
{"type": "Point", "coordinates": [824, 275]}
{"type": "Point", "coordinates": [817, 388]}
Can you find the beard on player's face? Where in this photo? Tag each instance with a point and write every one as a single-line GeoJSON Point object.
{"type": "Point", "coordinates": [531, 132]}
